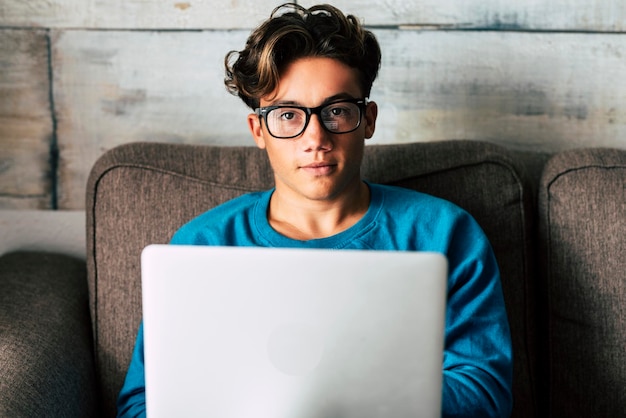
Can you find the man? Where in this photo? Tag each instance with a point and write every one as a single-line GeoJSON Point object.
{"type": "Point", "coordinates": [307, 74]}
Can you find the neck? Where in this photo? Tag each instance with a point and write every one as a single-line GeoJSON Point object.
{"type": "Point", "coordinates": [303, 219]}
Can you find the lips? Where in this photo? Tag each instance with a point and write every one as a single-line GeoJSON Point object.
{"type": "Point", "coordinates": [319, 168]}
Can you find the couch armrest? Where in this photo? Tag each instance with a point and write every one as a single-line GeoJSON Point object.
{"type": "Point", "coordinates": [46, 360]}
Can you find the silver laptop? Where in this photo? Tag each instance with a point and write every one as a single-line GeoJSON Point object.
{"type": "Point", "coordinates": [233, 332]}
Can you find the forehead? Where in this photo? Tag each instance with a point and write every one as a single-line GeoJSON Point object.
{"type": "Point", "coordinates": [311, 81]}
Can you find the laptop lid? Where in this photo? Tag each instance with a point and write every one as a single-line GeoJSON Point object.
{"type": "Point", "coordinates": [266, 332]}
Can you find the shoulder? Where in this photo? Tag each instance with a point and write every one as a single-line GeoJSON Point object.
{"type": "Point", "coordinates": [401, 200]}
{"type": "Point", "coordinates": [228, 215]}
{"type": "Point", "coordinates": [235, 205]}
{"type": "Point", "coordinates": [432, 222]}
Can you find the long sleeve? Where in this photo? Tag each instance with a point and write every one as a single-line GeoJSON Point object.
{"type": "Point", "coordinates": [131, 401]}
{"type": "Point", "coordinates": [478, 353]}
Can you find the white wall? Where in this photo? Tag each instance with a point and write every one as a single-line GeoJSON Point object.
{"type": "Point", "coordinates": [43, 230]}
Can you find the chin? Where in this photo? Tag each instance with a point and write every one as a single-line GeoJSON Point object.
{"type": "Point", "coordinates": [323, 194]}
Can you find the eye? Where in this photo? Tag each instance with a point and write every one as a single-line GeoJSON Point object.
{"type": "Point", "coordinates": [287, 115]}
{"type": "Point", "coordinates": [338, 110]}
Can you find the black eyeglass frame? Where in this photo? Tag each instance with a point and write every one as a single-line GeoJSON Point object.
{"type": "Point", "coordinates": [263, 111]}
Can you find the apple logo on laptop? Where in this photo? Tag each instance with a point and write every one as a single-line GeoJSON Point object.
{"type": "Point", "coordinates": [295, 348]}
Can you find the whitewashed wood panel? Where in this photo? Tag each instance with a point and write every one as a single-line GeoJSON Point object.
{"type": "Point", "coordinates": [560, 15]}
{"type": "Point", "coordinates": [527, 91]}
{"type": "Point", "coordinates": [533, 92]}
{"type": "Point", "coordinates": [564, 15]}
{"type": "Point", "coordinates": [117, 87]}
{"type": "Point", "coordinates": [136, 14]}
{"type": "Point", "coordinates": [25, 120]}
{"type": "Point", "coordinates": [44, 13]}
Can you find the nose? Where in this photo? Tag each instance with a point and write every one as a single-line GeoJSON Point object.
{"type": "Point", "coordinates": [315, 137]}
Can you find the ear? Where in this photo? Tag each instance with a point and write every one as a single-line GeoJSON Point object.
{"type": "Point", "coordinates": [371, 113]}
{"type": "Point", "coordinates": [254, 124]}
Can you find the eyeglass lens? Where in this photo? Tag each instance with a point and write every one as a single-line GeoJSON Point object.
{"type": "Point", "coordinates": [289, 122]}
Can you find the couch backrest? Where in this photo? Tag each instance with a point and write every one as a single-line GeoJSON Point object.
{"type": "Point", "coordinates": [141, 193]}
{"type": "Point", "coordinates": [582, 205]}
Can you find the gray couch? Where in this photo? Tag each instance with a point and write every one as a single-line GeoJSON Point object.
{"type": "Point", "coordinates": [558, 231]}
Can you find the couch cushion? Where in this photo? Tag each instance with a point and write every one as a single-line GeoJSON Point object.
{"type": "Point", "coordinates": [141, 193]}
{"type": "Point", "coordinates": [46, 363]}
{"type": "Point", "coordinates": [583, 228]}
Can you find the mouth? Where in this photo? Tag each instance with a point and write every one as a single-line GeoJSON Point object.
{"type": "Point", "coordinates": [319, 168]}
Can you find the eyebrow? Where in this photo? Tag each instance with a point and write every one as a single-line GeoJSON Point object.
{"type": "Point", "coordinates": [331, 99]}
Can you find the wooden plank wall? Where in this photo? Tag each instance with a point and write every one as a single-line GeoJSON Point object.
{"type": "Point", "coordinates": [78, 77]}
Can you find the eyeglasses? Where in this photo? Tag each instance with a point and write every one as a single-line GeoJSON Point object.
{"type": "Point", "coordinates": [287, 122]}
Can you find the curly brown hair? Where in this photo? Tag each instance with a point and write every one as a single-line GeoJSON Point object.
{"type": "Point", "coordinates": [293, 32]}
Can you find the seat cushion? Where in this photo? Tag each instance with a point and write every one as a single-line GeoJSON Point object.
{"type": "Point", "coordinates": [46, 363]}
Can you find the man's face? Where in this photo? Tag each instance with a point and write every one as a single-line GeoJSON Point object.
{"type": "Point", "coordinates": [316, 165]}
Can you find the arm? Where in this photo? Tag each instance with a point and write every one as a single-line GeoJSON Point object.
{"type": "Point", "coordinates": [478, 354]}
{"type": "Point", "coordinates": [131, 401]}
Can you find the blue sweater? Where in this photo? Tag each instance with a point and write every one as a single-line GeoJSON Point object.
{"type": "Point", "coordinates": [477, 367]}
